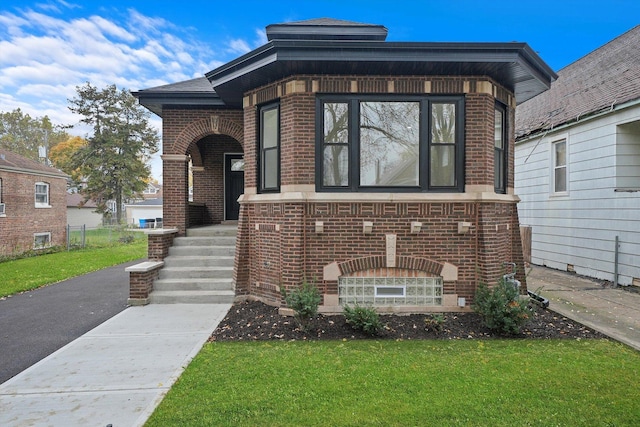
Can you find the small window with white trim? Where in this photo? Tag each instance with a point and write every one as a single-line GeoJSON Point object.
{"type": "Point", "coordinates": [42, 195]}
{"type": "Point", "coordinates": [560, 176]}
{"type": "Point", "coordinates": [41, 240]}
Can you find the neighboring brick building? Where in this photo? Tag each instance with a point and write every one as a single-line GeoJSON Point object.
{"type": "Point", "coordinates": [33, 208]}
{"type": "Point", "coordinates": [381, 171]}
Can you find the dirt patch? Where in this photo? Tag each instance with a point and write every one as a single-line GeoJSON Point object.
{"type": "Point", "coordinates": [252, 320]}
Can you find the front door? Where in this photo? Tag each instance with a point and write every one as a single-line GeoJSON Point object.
{"type": "Point", "coordinates": [234, 185]}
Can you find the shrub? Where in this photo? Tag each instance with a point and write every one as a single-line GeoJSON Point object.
{"type": "Point", "coordinates": [501, 308]}
{"type": "Point", "coordinates": [434, 322]}
{"type": "Point", "coordinates": [304, 301]}
{"type": "Point", "coordinates": [365, 319]}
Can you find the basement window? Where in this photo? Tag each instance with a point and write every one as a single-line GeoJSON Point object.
{"type": "Point", "coordinates": [41, 240]}
{"type": "Point", "coordinates": [390, 291]}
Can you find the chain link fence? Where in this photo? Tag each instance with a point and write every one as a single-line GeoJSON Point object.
{"type": "Point", "coordinates": [80, 237]}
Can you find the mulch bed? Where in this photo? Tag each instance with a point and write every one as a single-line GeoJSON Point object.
{"type": "Point", "coordinates": [253, 321]}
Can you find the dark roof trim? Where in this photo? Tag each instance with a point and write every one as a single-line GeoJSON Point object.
{"type": "Point", "coordinates": [156, 101]}
{"type": "Point", "coordinates": [326, 29]}
{"type": "Point", "coordinates": [514, 65]}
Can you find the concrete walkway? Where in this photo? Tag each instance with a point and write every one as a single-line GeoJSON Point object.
{"type": "Point", "coordinates": [115, 374]}
{"type": "Point", "coordinates": [613, 311]}
{"type": "Point", "coordinates": [119, 372]}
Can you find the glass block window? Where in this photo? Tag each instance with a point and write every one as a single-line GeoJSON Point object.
{"type": "Point", "coordinates": [388, 291]}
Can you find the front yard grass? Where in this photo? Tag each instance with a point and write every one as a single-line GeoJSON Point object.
{"type": "Point", "coordinates": [30, 273]}
{"type": "Point", "coordinates": [407, 383]}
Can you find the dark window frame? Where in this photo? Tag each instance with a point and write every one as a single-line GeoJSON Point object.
{"type": "Point", "coordinates": [501, 171]}
{"type": "Point", "coordinates": [426, 101]}
{"type": "Point", "coordinates": [261, 150]}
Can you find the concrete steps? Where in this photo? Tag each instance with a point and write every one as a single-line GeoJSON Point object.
{"type": "Point", "coordinates": [199, 268]}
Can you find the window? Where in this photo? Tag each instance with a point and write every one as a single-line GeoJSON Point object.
{"type": "Point", "coordinates": [41, 240]}
{"type": "Point", "coordinates": [499, 151]}
{"type": "Point", "coordinates": [384, 291]}
{"type": "Point", "coordinates": [628, 156]}
{"type": "Point", "coordinates": [560, 166]}
{"type": "Point", "coordinates": [369, 143]}
{"type": "Point", "coordinates": [269, 148]}
{"type": "Point", "coordinates": [150, 190]}
{"type": "Point", "coordinates": [2, 207]}
{"type": "Point", "coordinates": [42, 195]}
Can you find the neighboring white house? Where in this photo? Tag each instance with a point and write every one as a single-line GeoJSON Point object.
{"type": "Point", "coordinates": [577, 165]}
{"type": "Point", "coordinates": [79, 214]}
{"type": "Point", "coordinates": [150, 209]}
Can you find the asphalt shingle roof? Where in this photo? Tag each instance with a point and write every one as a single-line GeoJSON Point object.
{"type": "Point", "coordinates": [10, 160]}
{"type": "Point", "coordinates": [608, 76]}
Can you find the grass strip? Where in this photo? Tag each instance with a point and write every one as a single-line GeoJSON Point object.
{"type": "Point", "coordinates": [407, 383]}
{"type": "Point", "coordinates": [30, 273]}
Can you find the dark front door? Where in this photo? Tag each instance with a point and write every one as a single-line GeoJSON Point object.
{"type": "Point", "coordinates": [234, 184]}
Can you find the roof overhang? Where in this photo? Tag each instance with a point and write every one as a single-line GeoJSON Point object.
{"type": "Point", "coordinates": [513, 65]}
{"type": "Point", "coordinates": [156, 99]}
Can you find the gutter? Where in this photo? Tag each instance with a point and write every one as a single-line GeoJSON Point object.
{"type": "Point", "coordinates": [580, 118]}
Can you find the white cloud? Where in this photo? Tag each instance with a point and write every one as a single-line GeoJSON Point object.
{"type": "Point", "coordinates": [239, 46]}
{"type": "Point", "coordinates": [261, 37]}
{"type": "Point", "coordinates": [45, 56]}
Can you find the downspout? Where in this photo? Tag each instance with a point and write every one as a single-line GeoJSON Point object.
{"type": "Point", "coordinates": [615, 263]}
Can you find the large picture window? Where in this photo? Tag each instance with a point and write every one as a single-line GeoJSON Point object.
{"type": "Point", "coordinates": [270, 148]}
{"type": "Point", "coordinates": [369, 143]}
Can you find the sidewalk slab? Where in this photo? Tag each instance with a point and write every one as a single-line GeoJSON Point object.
{"type": "Point", "coordinates": [614, 312]}
{"type": "Point", "coordinates": [115, 374]}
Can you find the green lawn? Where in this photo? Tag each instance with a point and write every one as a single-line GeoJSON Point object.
{"type": "Point", "coordinates": [407, 383]}
{"type": "Point", "coordinates": [30, 273]}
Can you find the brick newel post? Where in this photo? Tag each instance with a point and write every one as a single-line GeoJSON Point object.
{"type": "Point", "coordinates": [175, 170]}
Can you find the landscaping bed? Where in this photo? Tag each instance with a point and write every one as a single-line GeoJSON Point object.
{"type": "Point", "coordinates": [252, 321]}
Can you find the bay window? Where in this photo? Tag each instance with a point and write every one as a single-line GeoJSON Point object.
{"type": "Point", "coordinates": [372, 143]}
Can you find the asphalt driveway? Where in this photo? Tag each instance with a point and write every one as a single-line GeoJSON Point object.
{"type": "Point", "coordinates": [35, 324]}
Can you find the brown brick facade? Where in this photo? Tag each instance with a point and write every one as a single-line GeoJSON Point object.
{"type": "Point", "coordinates": [278, 244]}
{"type": "Point", "coordinates": [23, 219]}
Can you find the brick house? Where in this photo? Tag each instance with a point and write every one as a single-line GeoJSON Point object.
{"type": "Point", "coordinates": [382, 171]}
{"type": "Point", "coordinates": [33, 208]}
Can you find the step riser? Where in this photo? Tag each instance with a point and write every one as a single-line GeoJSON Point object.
{"type": "Point", "coordinates": [204, 241]}
{"type": "Point", "coordinates": [195, 274]}
{"type": "Point", "coordinates": [197, 262]}
{"type": "Point", "coordinates": [199, 268]}
{"type": "Point", "coordinates": [192, 299]}
{"type": "Point", "coordinates": [202, 251]}
{"type": "Point", "coordinates": [212, 232]}
{"type": "Point", "coordinates": [186, 285]}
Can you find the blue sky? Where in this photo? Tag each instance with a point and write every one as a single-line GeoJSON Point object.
{"type": "Point", "coordinates": [48, 47]}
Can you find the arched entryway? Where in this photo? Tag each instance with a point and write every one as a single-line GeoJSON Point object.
{"type": "Point", "coordinates": [217, 181]}
{"type": "Point", "coordinates": [194, 169]}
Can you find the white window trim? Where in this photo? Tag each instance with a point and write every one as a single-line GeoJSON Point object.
{"type": "Point", "coordinates": [552, 170]}
{"type": "Point", "coordinates": [47, 234]}
{"type": "Point", "coordinates": [40, 204]}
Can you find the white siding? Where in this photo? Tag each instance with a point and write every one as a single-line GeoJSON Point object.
{"type": "Point", "coordinates": [580, 228]}
{"type": "Point", "coordinates": [83, 216]}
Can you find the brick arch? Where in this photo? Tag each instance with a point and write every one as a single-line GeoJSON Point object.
{"type": "Point", "coordinates": [212, 125]}
{"type": "Point", "coordinates": [194, 152]}
{"type": "Point", "coordinates": [402, 262]}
